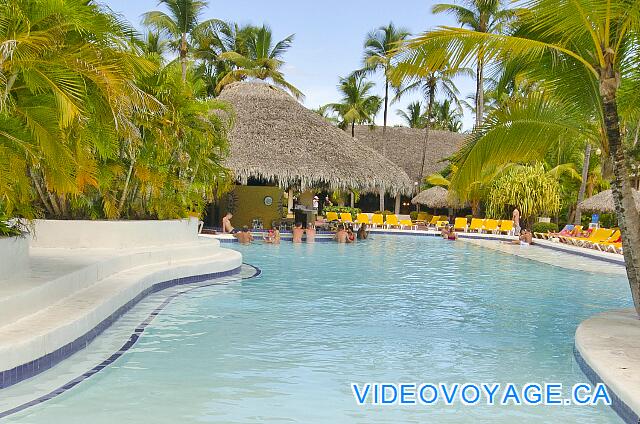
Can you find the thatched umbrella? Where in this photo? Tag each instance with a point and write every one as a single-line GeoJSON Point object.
{"type": "Point", "coordinates": [434, 197]}
{"type": "Point", "coordinates": [603, 202]}
{"type": "Point", "coordinates": [277, 139]}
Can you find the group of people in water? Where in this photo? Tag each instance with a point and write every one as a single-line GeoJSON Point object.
{"type": "Point", "coordinates": [343, 234]}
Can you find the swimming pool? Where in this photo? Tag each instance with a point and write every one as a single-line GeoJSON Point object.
{"type": "Point", "coordinates": [285, 346]}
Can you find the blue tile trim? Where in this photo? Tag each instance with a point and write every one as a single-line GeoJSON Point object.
{"type": "Point", "coordinates": [617, 404]}
{"type": "Point", "coordinates": [137, 332]}
{"type": "Point", "coordinates": [22, 372]}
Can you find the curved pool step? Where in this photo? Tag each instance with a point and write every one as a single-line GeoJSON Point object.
{"type": "Point", "coordinates": [38, 341]}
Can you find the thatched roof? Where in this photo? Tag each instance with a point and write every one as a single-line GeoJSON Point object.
{"type": "Point", "coordinates": [404, 147]}
{"type": "Point", "coordinates": [434, 197]}
{"type": "Point", "coordinates": [277, 139]}
{"type": "Point", "coordinates": [603, 202]}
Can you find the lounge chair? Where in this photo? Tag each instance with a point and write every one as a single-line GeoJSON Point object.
{"type": "Point", "coordinates": [392, 221]}
{"type": "Point", "coordinates": [572, 234]}
{"type": "Point", "coordinates": [597, 236]}
{"type": "Point", "coordinates": [346, 217]}
{"type": "Point", "coordinates": [564, 232]}
{"type": "Point", "coordinates": [506, 226]}
{"type": "Point", "coordinates": [377, 219]}
{"type": "Point", "coordinates": [490, 225]}
{"type": "Point", "coordinates": [407, 223]}
{"type": "Point", "coordinates": [477, 225]}
{"type": "Point", "coordinates": [422, 218]}
{"type": "Point", "coordinates": [434, 221]}
{"type": "Point", "coordinates": [441, 224]}
{"type": "Point", "coordinates": [460, 224]}
{"type": "Point", "coordinates": [332, 216]}
{"type": "Point", "coordinates": [363, 218]}
{"type": "Point", "coordinates": [613, 238]}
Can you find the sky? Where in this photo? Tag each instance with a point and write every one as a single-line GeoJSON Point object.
{"type": "Point", "coordinates": [329, 37]}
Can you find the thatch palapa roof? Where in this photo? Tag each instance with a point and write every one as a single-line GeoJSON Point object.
{"type": "Point", "coordinates": [277, 139]}
{"type": "Point", "coordinates": [434, 197]}
{"type": "Point", "coordinates": [404, 147]}
{"type": "Point", "coordinates": [603, 202]}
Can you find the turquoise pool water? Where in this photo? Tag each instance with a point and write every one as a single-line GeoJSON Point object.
{"type": "Point", "coordinates": [284, 347]}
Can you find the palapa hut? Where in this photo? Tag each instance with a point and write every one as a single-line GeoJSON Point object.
{"type": "Point", "coordinates": [278, 141]}
{"type": "Point", "coordinates": [603, 202]}
{"type": "Point", "coordinates": [405, 147]}
{"type": "Point", "coordinates": [434, 197]}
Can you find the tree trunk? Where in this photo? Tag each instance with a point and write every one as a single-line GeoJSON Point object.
{"type": "Point", "coordinates": [353, 129]}
{"type": "Point", "coordinates": [583, 184]}
{"type": "Point", "coordinates": [432, 93]}
{"type": "Point", "coordinates": [40, 192]}
{"type": "Point", "coordinates": [480, 90]}
{"type": "Point", "coordinates": [397, 206]}
{"type": "Point", "coordinates": [386, 104]}
{"type": "Point", "coordinates": [626, 211]}
{"type": "Point", "coordinates": [183, 56]}
{"type": "Point", "coordinates": [381, 200]}
{"type": "Point", "coordinates": [123, 198]}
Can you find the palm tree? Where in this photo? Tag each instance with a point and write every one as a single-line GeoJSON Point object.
{"type": "Point", "coordinates": [259, 58]}
{"type": "Point", "coordinates": [413, 116]}
{"type": "Point", "coordinates": [378, 53]}
{"type": "Point", "coordinates": [486, 16]}
{"type": "Point", "coordinates": [358, 105]}
{"type": "Point", "coordinates": [181, 23]}
{"type": "Point", "coordinates": [446, 117]}
{"type": "Point", "coordinates": [584, 59]}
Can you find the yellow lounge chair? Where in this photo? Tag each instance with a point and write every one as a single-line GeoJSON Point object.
{"type": "Point", "coordinates": [422, 218]}
{"type": "Point", "coordinates": [407, 223]}
{"type": "Point", "coordinates": [610, 240]}
{"type": "Point", "coordinates": [332, 216]}
{"type": "Point", "coordinates": [434, 221]}
{"type": "Point", "coordinates": [363, 218]}
{"type": "Point", "coordinates": [506, 226]}
{"type": "Point", "coordinates": [392, 221]}
{"type": "Point", "coordinates": [490, 225]}
{"type": "Point", "coordinates": [597, 236]}
{"type": "Point", "coordinates": [441, 224]}
{"type": "Point", "coordinates": [476, 225]}
{"type": "Point", "coordinates": [346, 217]}
{"type": "Point", "coordinates": [460, 224]}
{"type": "Point", "coordinates": [377, 219]}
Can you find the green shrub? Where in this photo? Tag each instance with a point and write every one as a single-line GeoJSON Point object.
{"type": "Point", "coordinates": [342, 209]}
{"type": "Point", "coordinates": [413, 215]}
{"type": "Point", "coordinates": [384, 213]}
{"type": "Point", "coordinates": [545, 227]}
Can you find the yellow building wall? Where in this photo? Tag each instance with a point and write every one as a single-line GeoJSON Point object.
{"type": "Point", "coordinates": [247, 203]}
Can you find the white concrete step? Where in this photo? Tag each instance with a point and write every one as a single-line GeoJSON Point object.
{"type": "Point", "coordinates": [54, 274]}
{"type": "Point", "coordinates": [53, 327]}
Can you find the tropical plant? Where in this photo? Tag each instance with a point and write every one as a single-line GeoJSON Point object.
{"type": "Point", "coordinates": [582, 54]}
{"type": "Point", "coordinates": [378, 53]}
{"type": "Point", "coordinates": [529, 188]}
{"type": "Point", "coordinates": [413, 116]}
{"type": "Point", "coordinates": [258, 58]}
{"type": "Point", "coordinates": [357, 105]}
{"type": "Point", "coordinates": [181, 24]}
{"type": "Point", "coordinates": [485, 16]}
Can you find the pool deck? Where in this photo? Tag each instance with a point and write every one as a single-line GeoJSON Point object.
{"type": "Point", "coordinates": [607, 348]}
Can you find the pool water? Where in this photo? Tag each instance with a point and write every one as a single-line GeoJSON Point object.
{"type": "Point", "coordinates": [284, 347]}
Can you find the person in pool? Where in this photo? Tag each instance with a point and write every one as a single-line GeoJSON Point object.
{"type": "Point", "coordinates": [362, 232]}
{"type": "Point", "coordinates": [341, 234]}
{"type": "Point", "coordinates": [351, 236]}
{"type": "Point", "coordinates": [444, 232]}
{"type": "Point", "coordinates": [272, 236]}
{"type": "Point", "coordinates": [298, 231]}
{"type": "Point", "coordinates": [244, 236]}
{"type": "Point", "coordinates": [311, 233]}
{"type": "Point", "coordinates": [525, 239]}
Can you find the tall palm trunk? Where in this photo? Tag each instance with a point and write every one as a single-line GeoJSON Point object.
{"type": "Point", "coordinates": [425, 143]}
{"type": "Point", "coordinates": [626, 211]}
{"type": "Point", "coordinates": [583, 184]}
{"type": "Point", "coordinates": [384, 130]}
{"type": "Point", "coordinates": [480, 90]}
{"type": "Point", "coordinates": [353, 129]}
{"type": "Point", "coordinates": [183, 56]}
